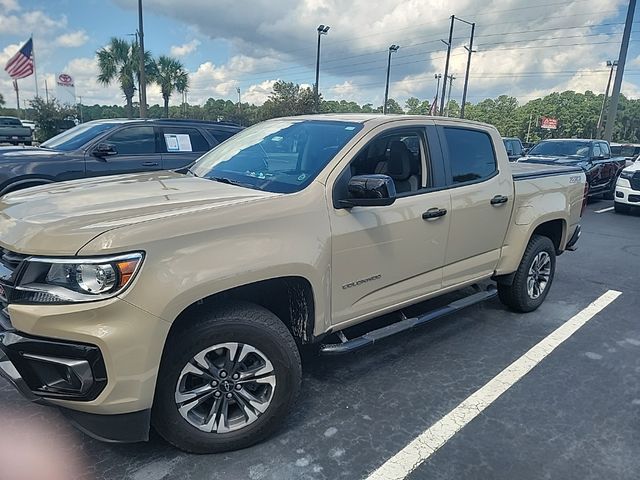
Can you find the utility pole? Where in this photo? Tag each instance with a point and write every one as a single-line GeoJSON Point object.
{"type": "Point", "coordinates": [141, 66]}
{"type": "Point", "coordinates": [451, 79]}
{"type": "Point", "coordinates": [606, 97]}
{"type": "Point", "coordinates": [46, 90]}
{"type": "Point", "coordinates": [239, 105]}
{"type": "Point", "coordinates": [80, 108]}
{"type": "Point", "coordinates": [529, 129]}
{"type": "Point", "coordinates": [446, 64]}
{"type": "Point", "coordinates": [392, 48]}
{"type": "Point", "coordinates": [437, 76]}
{"type": "Point", "coordinates": [617, 84]}
{"type": "Point", "coordinates": [466, 74]}
{"type": "Point", "coordinates": [322, 30]}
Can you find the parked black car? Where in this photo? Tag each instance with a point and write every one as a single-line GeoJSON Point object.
{"type": "Point", "coordinates": [594, 156]}
{"type": "Point", "coordinates": [514, 147]}
{"type": "Point", "coordinates": [109, 147]}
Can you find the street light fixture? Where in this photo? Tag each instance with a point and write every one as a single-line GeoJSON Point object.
{"type": "Point", "coordinates": [612, 66]}
{"type": "Point", "coordinates": [392, 49]}
{"type": "Point", "coordinates": [322, 30]}
{"type": "Point", "coordinates": [438, 77]}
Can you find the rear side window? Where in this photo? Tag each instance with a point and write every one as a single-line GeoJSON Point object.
{"type": "Point", "coordinates": [471, 154]}
{"type": "Point", "coordinates": [175, 140]}
{"type": "Point", "coordinates": [605, 149]}
{"type": "Point", "coordinates": [134, 140]}
{"type": "Point", "coordinates": [221, 135]}
{"type": "Point", "coordinates": [596, 151]}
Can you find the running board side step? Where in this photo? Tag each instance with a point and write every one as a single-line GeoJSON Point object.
{"type": "Point", "coordinates": [374, 336]}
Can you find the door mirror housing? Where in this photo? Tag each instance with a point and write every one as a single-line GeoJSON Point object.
{"type": "Point", "coordinates": [105, 150]}
{"type": "Point", "coordinates": [369, 191]}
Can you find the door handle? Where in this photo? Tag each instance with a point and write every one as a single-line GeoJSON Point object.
{"type": "Point", "coordinates": [149, 164]}
{"type": "Point", "coordinates": [499, 200]}
{"type": "Point", "coordinates": [434, 213]}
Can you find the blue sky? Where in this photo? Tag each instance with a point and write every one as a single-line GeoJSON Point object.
{"type": "Point", "coordinates": [228, 44]}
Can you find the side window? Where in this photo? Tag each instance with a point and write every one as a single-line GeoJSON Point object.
{"type": "Point", "coordinates": [517, 147]}
{"type": "Point", "coordinates": [399, 155]}
{"type": "Point", "coordinates": [178, 139]}
{"type": "Point", "coordinates": [605, 149]}
{"type": "Point", "coordinates": [221, 135]}
{"type": "Point", "coordinates": [471, 154]}
{"type": "Point", "coordinates": [596, 150]}
{"type": "Point", "coordinates": [136, 140]}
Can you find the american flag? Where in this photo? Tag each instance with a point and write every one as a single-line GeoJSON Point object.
{"type": "Point", "coordinates": [21, 64]}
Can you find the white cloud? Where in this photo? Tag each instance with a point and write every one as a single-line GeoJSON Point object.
{"type": "Point", "coordinates": [9, 5]}
{"type": "Point", "coordinates": [35, 21]}
{"type": "Point", "coordinates": [73, 39]}
{"type": "Point", "coordinates": [184, 49]}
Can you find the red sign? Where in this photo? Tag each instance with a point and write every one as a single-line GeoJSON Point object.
{"type": "Point", "coordinates": [549, 123]}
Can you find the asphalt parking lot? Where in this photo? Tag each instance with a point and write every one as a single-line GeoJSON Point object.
{"type": "Point", "coordinates": [575, 415]}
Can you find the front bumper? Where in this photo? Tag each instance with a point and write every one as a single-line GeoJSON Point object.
{"type": "Point", "coordinates": [97, 361]}
{"type": "Point", "coordinates": [627, 195]}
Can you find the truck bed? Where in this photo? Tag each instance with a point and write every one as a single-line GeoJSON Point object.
{"type": "Point", "coordinates": [531, 170]}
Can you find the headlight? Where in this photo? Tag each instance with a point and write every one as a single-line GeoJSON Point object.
{"type": "Point", "coordinates": [70, 280]}
{"type": "Point", "coordinates": [627, 174]}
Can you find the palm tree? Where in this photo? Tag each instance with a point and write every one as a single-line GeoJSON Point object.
{"type": "Point", "coordinates": [117, 62]}
{"type": "Point", "coordinates": [170, 75]}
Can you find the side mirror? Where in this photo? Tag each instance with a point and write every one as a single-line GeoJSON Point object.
{"type": "Point", "coordinates": [370, 191]}
{"type": "Point", "coordinates": [105, 150]}
{"type": "Point", "coordinates": [525, 152]}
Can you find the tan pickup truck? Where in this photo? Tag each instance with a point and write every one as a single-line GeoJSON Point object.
{"type": "Point", "coordinates": [180, 300]}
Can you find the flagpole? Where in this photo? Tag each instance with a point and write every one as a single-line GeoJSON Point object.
{"type": "Point", "coordinates": [35, 73]}
{"type": "Point", "coordinates": [15, 87]}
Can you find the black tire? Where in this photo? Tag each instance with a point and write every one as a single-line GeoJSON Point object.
{"type": "Point", "coordinates": [244, 323]}
{"type": "Point", "coordinates": [516, 295]}
{"type": "Point", "coordinates": [621, 207]}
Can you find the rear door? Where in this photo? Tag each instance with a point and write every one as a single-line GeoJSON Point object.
{"type": "Point", "coordinates": [135, 149]}
{"type": "Point", "coordinates": [481, 202]}
{"type": "Point", "coordinates": [181, 146]}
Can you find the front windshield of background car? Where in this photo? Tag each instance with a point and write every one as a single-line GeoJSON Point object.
{"type": "Point", "coordinates": [76, 137]}
{"type": "Point", "coordinates": [561, 149]}
{"type": "Point", "coordinates": [279, 156]}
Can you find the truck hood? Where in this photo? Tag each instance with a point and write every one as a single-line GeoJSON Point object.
{"type": "Point", "coordinates": [59, 219]}
{"type": "Point", "coordinates": [27, 153]}
{"type": "Point", "coordinates": [634, 167]}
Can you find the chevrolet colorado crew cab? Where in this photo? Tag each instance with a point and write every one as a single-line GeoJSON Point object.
{"type": "Point", "coordinates": [181, 300]}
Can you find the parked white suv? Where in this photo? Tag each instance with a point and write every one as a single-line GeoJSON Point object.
{"type": "Point", "coordinates": [628, 188]}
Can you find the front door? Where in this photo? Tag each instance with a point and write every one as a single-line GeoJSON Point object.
{"type": "Point", "coordinates": [387, 256]}
{"type": "Point", "coordinates": [134, 151]}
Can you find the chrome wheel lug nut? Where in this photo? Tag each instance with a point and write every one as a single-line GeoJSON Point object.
{"type": "Point", "coordinates": [236, 376]}
{"type": "Point", "coordinates": [214, 384]}
{"type": "Point", "coordinates": [223, 374]}
{"type": "Point", "coordinates": [217, 394]}
{"type": "Point", "coordinates": [238, 387]}
{"type": "Point", "coordinates": [229, 395]}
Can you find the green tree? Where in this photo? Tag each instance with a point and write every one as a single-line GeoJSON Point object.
{"type": "Point", "coordinates": [392, 107]}
{"type": "Point", "coordinates": [1, 101]}
{"type": "Point", "coordinates": [117, 62]}
{"type": "Point", "coordinates": [415, 107]}
{"type": "Point", "coordinates": [288, 98]}
{"type": "Point", "coordinates": [171, 76]}
{"type": "Point", "coordinates": [47, 117]}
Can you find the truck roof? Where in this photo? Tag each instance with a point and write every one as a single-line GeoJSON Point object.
{"type": "Point", "coordinates": [378, 118]}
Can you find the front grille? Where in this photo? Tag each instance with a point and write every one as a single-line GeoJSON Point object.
{"type": "Point", "coordinates": [9, 263]}
{"type": "Point", "coordinates": [635, 181]}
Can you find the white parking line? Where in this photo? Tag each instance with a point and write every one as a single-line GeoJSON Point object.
{"type": "Point", "coordinates": [604, 210]}
{"type": "Point", "coordinates": [428, 442]}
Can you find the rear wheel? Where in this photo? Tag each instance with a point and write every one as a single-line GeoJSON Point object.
{"type": "Point", "coordinates": [227, 381]}
{"type": "Point", "coordinates": [532, 280]}
{"type": "Point", "coordinates": [621, 207]}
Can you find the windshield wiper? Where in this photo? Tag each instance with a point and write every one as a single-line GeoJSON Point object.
{"type": "Point", "coordinates": [228, 181]}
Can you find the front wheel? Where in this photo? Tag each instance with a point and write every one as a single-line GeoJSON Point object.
{"type": "Point", "coordinates": [532, 280]}
{"type": "Point", "coordinates": [227, 381]}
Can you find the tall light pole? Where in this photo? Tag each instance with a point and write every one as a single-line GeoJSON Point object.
{"type": "Point", "coordinates": [617, 84]}
{"type": "Point", "coordinates": [446, 64]}
{"type": "Point", "coordinates": [322, 30]}
{"type": "Point", "coordinates": [612, 65]}
{"type": "Point", "coordinates": [466, 73]}
{"type": "Point", "coordinates": [392, 49]}
{"type": "Point", "coordinates": [143, 74]}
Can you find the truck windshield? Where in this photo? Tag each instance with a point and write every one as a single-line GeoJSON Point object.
{"type": "Point", "coordinates": [561, 149]}
{"type": "Point", "coordinates": [77, 136]}
{"type": "Point", "coordinates": [280, 156]}
{"type": "Point", "coordinates": [10, 122]}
